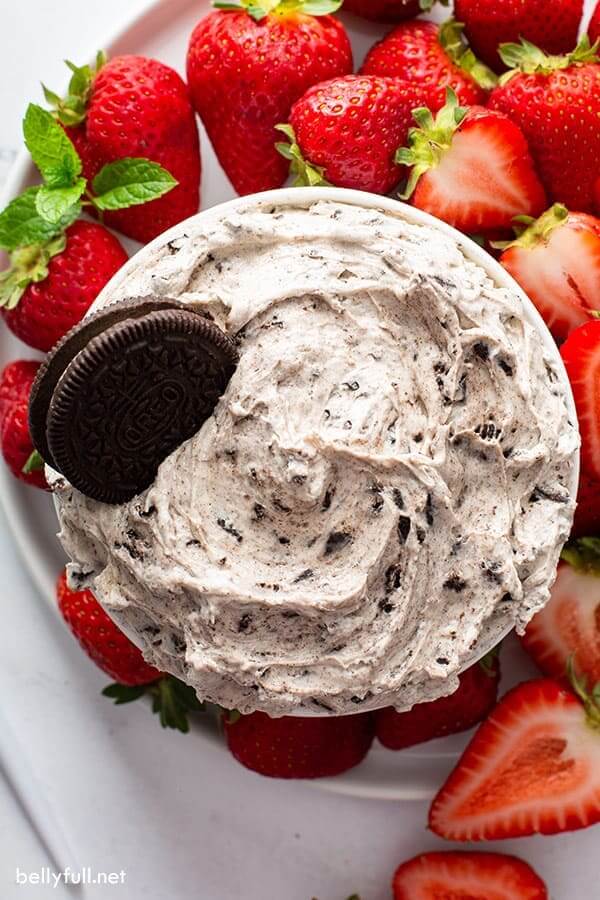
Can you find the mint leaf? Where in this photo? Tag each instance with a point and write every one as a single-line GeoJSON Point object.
{"type": "Point", "coordinates": [50, 148]}
{"type": "Point", "coordinates": [21, 225]}
{"type": "Point", "coordinates": [34, 463]}
{"type": "Point", "coordinates": [129, 182]}
{"type": "Point", "coordinates": [53, 203]}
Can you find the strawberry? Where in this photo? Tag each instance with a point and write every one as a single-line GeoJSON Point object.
{"type": "Point", "coordinates": [467, 876]}
{"type": "Point", "coordinates": [469, 704]}
{"type": "Point", "coordinates": [470, 167]}
{"type": "Point", "coordinates": [581, 356]}
{"type": "Point", "coordinates": [532, 768]}
{"type": "Point", "coordinates": [247, 66]}
{"type": "Point", "coordinates": [556, 260]}
{"type": "Point", "coordinates": [114, 653]}
{"type": "Point", "coordinates": [435, 58]}
{"type": "Point", "coordinates": [488, 23]}
{"type": "Point", "coordinates": [568, 628]}
{"type": "Point", "coordinates": [133, 106]}
{"type": "Point", "coordinates": [389, 10]}
{"type": "Point", "coordinates": [346, 132]}
{"type": "Point", "coordinates": [15, 441]}
{"type": "Point", "coordinates": [587, 513]}
{"type": "Point", "coordinates": [63, 278]}
{"type": "Point", "coordinates": [594, 26]}
{"type": "Point", "coordinates": [556, 102]}
{"type": "Point", "coordinates": [298, 746]}
{"type": "Point", "coordinates": [58, 265]}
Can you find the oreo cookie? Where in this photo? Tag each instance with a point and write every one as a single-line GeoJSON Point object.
{"type": "Point", "coordinates": [125, 388]}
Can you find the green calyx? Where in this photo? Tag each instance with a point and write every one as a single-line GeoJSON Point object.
{"type": "Point", "coordinates": [34, 463]}
{"type": "Point", "coordinates": [32, 227]}
{"type": "Point", "coordinates": [72, 109]}
{"type": "Point", "coordinates": [427, 5]}
{"type": "Point", "coordinates": [28, 265]}
{"type": "Point", "coordinates": [172, 700]}
{"type": "Point", "coordinates": [258, 9]}
{"type": "Point", "coordinates": [527, 58]}
{"type": "Point", "coordinates": [455, 45]}
{"type": "Point", "coordinates": [583, 555]}
{"type": "Point", "coordinates": [530, 232]}
{"type": "Point", "coordinates": [305, 174]}
{"type": "Point", "coordinates": [589, 698]}
{"type": "Point", "coordinates": [489, 662]}
{"type": "Point", "coordinates": [428, 143]}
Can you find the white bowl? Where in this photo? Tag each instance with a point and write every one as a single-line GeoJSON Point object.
{"type": "Point", "coordinates": [307, 196]}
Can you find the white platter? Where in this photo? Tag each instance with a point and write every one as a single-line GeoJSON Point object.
{"type": "Point", "coordinates": [163, 31]}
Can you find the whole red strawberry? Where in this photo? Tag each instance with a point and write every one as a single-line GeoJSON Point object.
{"type": "Point", "coordinates": [556, 260]}
{"type": "Point", "coordinates": [389, 10]}
{"type": "Point", "coordinates": [297, 746]}
{"type": "Point", "coordinates": [15, 440]}
{"type": "Point", "coordinates": [567, 630]}
{"type": "Point", "coordinates": [581, 356]}
{"type": "Point", "coordinates": [64, 277]}
{"type": "Point", "coordinates": [136, 107]}
{"type": "Point", "coordinates": [114, 653]}
{"type": "Point", "coordinates": [551, 26]}
{"type": "Point", "coordinates": [470, 167]}
{"type": "Point", "coordinates": [475, 697]}
{"type": "Point", "coordinates": [434, 58]}
{"type": "Point", "coordinates": [346, 132]}
{"type": "Point", "coordinates": [245, 70]}
{"type": "Point", "coordinates": [556, 102]}
{"type": "Point", "coordinates": [104, 643]}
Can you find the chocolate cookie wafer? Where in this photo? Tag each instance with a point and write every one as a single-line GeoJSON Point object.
{"type": "Point", "coordinates": [123, 389]}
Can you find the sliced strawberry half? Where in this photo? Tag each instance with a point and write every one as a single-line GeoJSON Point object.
{"type": "Point", "coordinates": [581, 356]}
{"type": "Point", "coordinates": [467, 876]}
{"type": "Point", "coordinates": [532, 767]}
{"type": "Point", "coordinates": [556, 260]}
{"type": "Point", "coordinates": [471, 168]}
{"type": "Point", "coordinates": [568, 628]}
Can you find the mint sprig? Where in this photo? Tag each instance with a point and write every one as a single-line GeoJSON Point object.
{"type": "Point", "coordinates": [172, 700]}
{"type": "Point", "coordinates": [32, 226]}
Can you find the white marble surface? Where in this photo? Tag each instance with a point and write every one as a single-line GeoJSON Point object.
{"type": "Point", "coordinates": [128, 795]}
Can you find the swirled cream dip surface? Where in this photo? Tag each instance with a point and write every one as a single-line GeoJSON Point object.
{"type": "Point", "coordinates": [384, 484]}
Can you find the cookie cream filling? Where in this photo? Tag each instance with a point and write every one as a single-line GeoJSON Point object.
{"type": "Point", "coordinates": [384, 487]}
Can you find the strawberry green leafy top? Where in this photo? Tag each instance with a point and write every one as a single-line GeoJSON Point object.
{"type": "Point", "coordinates": [531, 60]}
{"type": "Point", "coordinates": [453, 41]}
{"type": "Point", "coordinates": [32, 227]}
{"type": "Point", "coordinates": [258, 9]}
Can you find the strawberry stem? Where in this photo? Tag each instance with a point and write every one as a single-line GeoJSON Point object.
{"type": "Point", "coordinates": [454, 43]}
{"type": "Point", "coordinates": [583, 555]}
{"type": "Point", "coordinates": [172, 700]}
{"type": "Point", "coordinates": [34, 463]}
{"type": "Point", "coordinates": [305, 173]}
{"type": "Point", "coordinates": [428, 143]}
{"type": "Point", "coordinates": [531, 60]}
{"type": "Point", "coordinates": [259, 9]}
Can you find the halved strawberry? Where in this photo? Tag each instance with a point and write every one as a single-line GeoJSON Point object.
{"type": "Point", "coordinates": [581, 356]}
{"type": "Point", "coordinates": [470, 167]}
{"type": "Point", "coordinates": [475, 697]}
{"type": "Point", "coordinates": [467, 876]}
{"type": "Point", "coordinates": [532, 767]}
{"type": "Point", "coordinates": [556, 260]}
{"type": "Point", "coordinates": [568, 628]}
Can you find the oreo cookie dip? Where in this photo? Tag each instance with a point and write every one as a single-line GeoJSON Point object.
{"type": "Point", "coordinates": [382, 490]}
